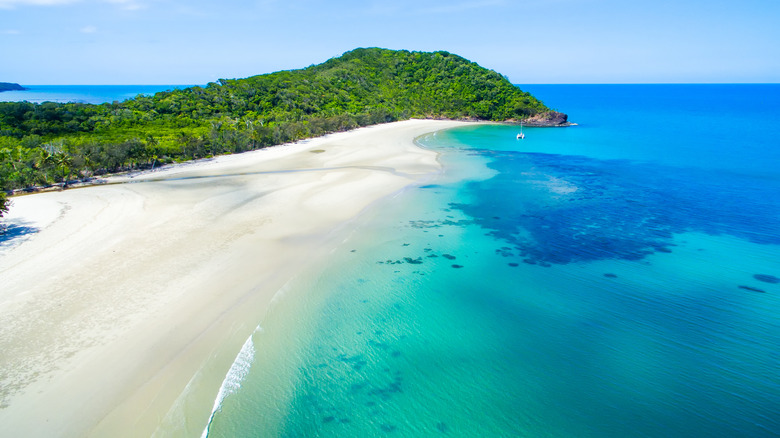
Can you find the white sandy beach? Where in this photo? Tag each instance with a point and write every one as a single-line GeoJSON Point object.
{"type": "Point", "coordinates": [130, 293]}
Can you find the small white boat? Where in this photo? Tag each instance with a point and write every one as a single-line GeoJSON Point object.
{"type": "Point", "coordinates": [521, 136]}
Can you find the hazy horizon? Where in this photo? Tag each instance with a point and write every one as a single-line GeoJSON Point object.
{"type": "Point", "coordinates": [139, 42]}
{"type": "Point", "coordinates": [517, 84]}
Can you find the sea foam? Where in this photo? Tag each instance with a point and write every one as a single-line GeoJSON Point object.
{"type": "Point", "coordinates": [235, 376]}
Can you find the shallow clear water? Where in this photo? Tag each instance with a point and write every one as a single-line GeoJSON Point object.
{"type": "Point", "coordinates": [617, 278]}
{"type": "Point", "coordinates": [95, 94]}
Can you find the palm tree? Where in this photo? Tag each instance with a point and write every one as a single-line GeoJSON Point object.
{"type": "Point", "coordinates": [4, 203]}
{"type": "Point", "coordinates": [62, 162]}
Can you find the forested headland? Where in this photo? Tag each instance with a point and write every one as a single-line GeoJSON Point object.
{"type": "Point", "coordinates": [10, 86]}
{"type": "Point", "coordinates": [50, 143]}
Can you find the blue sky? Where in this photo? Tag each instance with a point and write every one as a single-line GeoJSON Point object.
{"type": "Point", "coordinates": [540, 41]}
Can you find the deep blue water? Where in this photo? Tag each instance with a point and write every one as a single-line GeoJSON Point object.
{"type": "Point", "coordinates": [708, 163]}
{"type": "Point", "coordinates": [82, 93]}
{"type": "Point", "coordinates": [616, 278]}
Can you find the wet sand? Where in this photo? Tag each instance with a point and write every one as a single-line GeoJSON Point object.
{"type": "Point", "coordinates": [123, 297]}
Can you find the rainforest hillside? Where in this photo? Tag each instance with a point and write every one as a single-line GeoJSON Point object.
{"type": "Point", "coordinates": [47, 143]}
{"type": "Point", "coordinates": [10, 86]}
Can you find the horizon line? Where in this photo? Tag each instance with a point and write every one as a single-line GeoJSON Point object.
{"type": "Point", "coordinates": [513, 83]}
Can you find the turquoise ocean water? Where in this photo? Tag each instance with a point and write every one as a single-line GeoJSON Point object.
{"type": "Point", "coordinates": [82, 93]}
{"type": "Point", "coordinates": [619, 278]}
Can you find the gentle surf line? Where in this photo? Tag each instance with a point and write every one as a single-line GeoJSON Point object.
{"type": "Point", "coordinates": [234, 378]}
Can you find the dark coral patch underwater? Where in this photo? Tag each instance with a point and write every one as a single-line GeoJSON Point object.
{"type": "Point", "coordinates": [752, 289]}
{"type": "Point", "coordinates": [561, 209]}
{"type": "Point", "coordinates": [767, 278]}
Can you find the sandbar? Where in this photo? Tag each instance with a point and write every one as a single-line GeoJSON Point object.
{"type": "Point", "coordinates": [121, 297]}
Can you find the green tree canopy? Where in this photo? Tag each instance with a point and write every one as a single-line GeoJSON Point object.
{"type": "Point", "coordinates": [3, 203]}
{"type": "Point", "coordinates": [50, 142]}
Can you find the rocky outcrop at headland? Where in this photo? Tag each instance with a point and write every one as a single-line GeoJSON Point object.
{"type": "Point", "coordinates": [549, 118]}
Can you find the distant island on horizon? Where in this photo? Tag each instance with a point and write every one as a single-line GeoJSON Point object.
{"type": "Point", "coordinates": [57, 143]}
{"type": "Point", "coordinates": [10, 86]}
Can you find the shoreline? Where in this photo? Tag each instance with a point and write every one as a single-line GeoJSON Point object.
{"type": "Point", "coordinates": [122, 176]}
{"type": "Point", "coordinates": [131, 294]}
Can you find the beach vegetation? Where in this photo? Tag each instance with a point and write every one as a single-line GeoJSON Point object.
{"type": "Point", "coordinates": [4, 203]}
{"type": "Point", "coordinates": [55, 143]}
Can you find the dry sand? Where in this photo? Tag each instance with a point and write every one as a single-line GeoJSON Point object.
{"type": "Point", "coordinates": [129, 295]}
